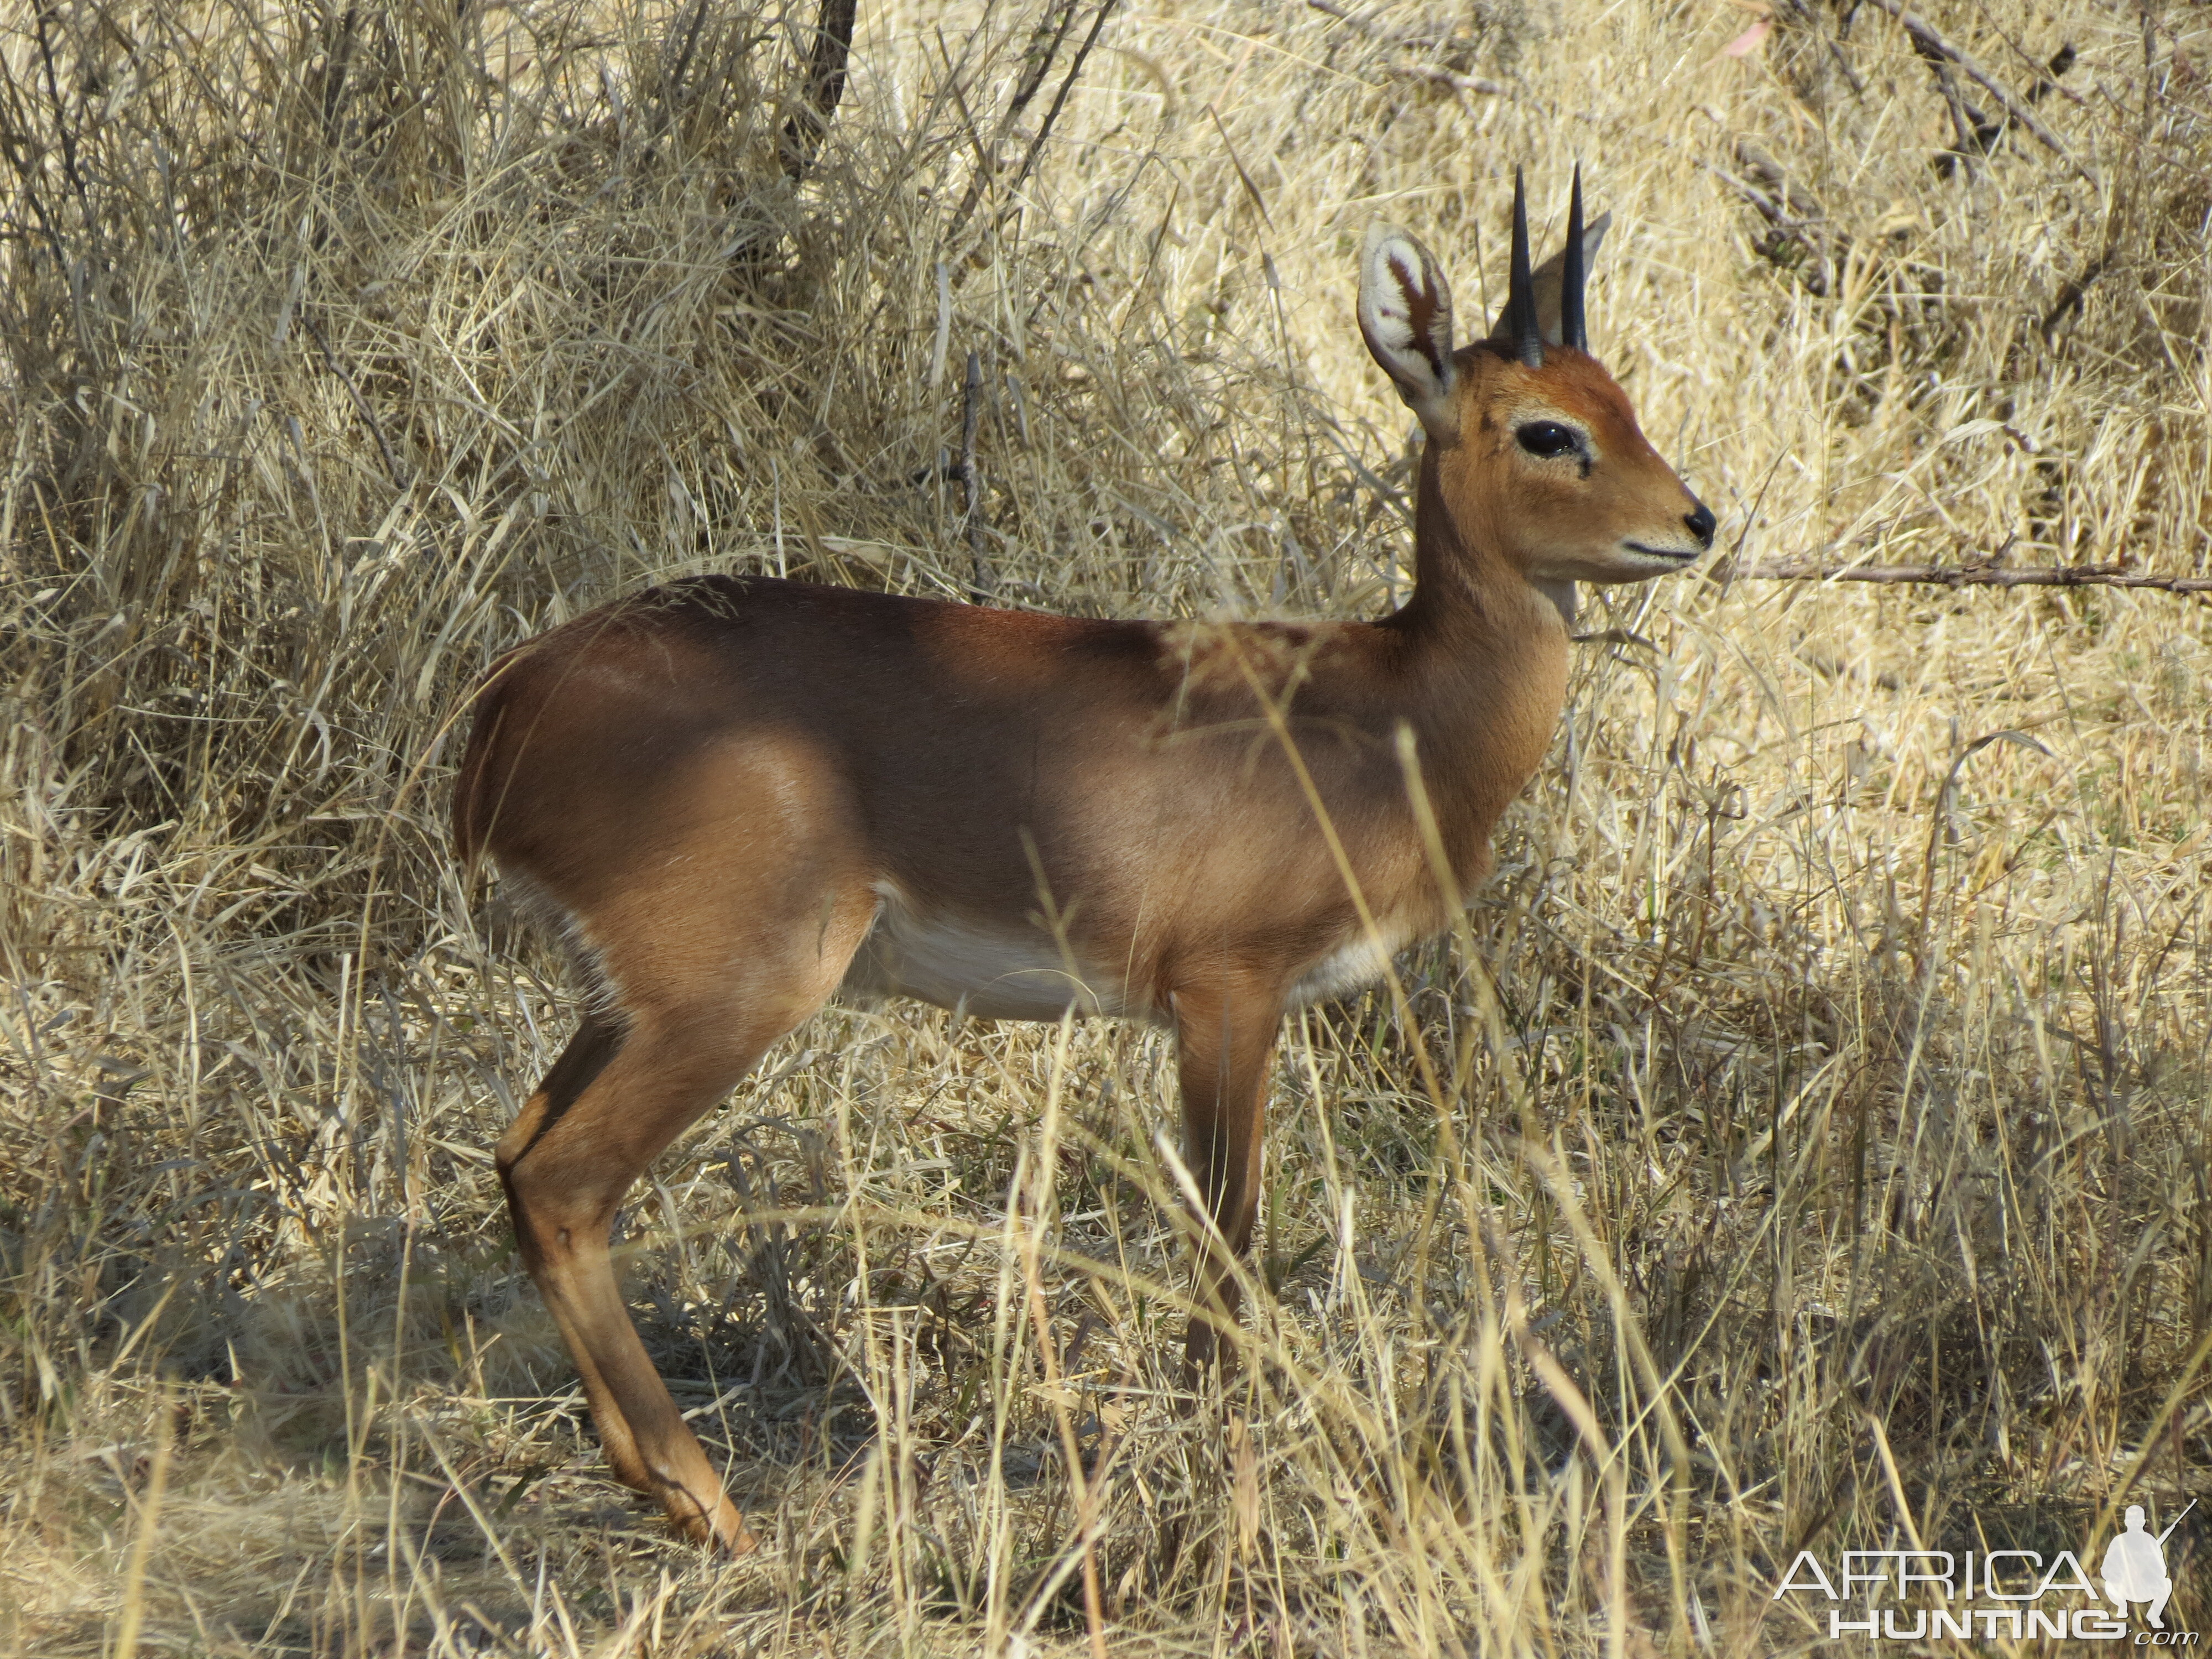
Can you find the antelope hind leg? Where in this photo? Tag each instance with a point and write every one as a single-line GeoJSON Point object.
{"type": "Point", "coordinates": [576, 1148]}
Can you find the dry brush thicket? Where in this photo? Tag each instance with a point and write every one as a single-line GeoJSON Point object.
{"type": "Point", "coordinates": [1805, 1143]}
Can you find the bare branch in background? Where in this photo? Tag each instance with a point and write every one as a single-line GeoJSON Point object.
{"type": "Point", "coordinates": [971, 476]}
{"type": "Point", "coordinates": [1931, 43]}
{"type": "Point", "coordinates": [1937, 575]}
{"type": "Point", "coordinates": [335, 64]}
{"type": "Point", "coordinates": [1045, 40]}
{"type": "Point", "coordinates": [1451, 80]}
{"type": "Point", "coordinates": [1801, 240]}
{"type": "Point", "coordinates": [824, 89]}
{"type": "Point", "coordinates": [361, 404]}
{"type": "Point", "coordinates": [1457, 51]}
{"type": "Point", "coordinates": [1060, 98]}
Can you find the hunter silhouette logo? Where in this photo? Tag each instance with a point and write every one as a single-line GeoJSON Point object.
{"type": "Point", "coordinates": [2134, 1566]}
{"type": "Point", "coordinates": [1993, 1595]}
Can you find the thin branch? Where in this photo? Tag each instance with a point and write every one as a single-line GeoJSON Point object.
{"type": "Point", "coordinates": [1059, 99]}
{"type": "Point", "coordinates": [335, 64]}
{"type": "Point", "coordinates": [63, 127]}
{"type": "Point", "coordinates": [1368, 24]}
{"type": "Point", "coordinates": [674, 88]}
{"type": "Point", "coordinates": [1975, 134]}
{"type": "Point", "coordinates": [24, 155]}
{"type": "Point", "coordinates": [2070, 297]}
{"type": "Point", "coordinates": [360, 403]}
{"type": "Point", "coordinates": [1802, 242]}
{"type": "Point", "coordinates": [802, 134]}
{"type": "Point", "coordinates": [971, 476]}
{"type": "Point", "coordinates": [1931, 42]}
{"type": "Point", "coordinates": [1440, 74]}
{"type": "Point", "coordinates": [2081, 575]}
{"type": "Point", "coordinates": [1045, 40]}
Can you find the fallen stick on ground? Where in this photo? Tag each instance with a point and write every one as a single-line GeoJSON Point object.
{"type": "Point", "coordinates": [2085, 575]}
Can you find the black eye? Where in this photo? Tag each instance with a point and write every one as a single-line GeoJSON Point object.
{"type": "Point", "coordinates": [1549, 438]}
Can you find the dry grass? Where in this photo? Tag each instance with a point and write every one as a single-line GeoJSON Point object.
{"type": "Point", "coordinates": [1821, 1157]}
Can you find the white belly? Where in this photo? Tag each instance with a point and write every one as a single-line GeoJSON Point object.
{"type": "Point", "coordinates": [1347, 968]}
{"type": "Point", "coordinates": [1018, 973]}
{"type": "Point", "coordinates": [1021, 973]}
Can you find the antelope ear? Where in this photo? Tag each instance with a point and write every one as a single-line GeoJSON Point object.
{"type": "Point", "coordinates": [1548, 285]}
{"type": "Point", "coordinates": [1405, 314]}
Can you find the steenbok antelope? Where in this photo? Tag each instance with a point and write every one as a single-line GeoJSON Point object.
{"type": "Point", "coordinates": [737, 797]}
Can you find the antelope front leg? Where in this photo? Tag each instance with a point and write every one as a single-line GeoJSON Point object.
{"type": "Point", "coordinates": [1225, 1038]}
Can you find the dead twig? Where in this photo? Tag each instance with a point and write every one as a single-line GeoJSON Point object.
{"type": "Point", "coordinates": [1059, 99]}
{"type": "Point", "coordinates": [971, 477]}
{"type": "Point", "coordinates": [2071, 296]}
{"type": "Point", "coordinates": [1929, 42]}
{"type": "Point", "coordinates": [1978, 135]}
{"type": "Point", "coordinates": [1800, 241]}
{"type": "Point", "coordinates": [1457, 49]}
{"type": "Point", "coordinates": [1045, 41]}
{"type": "Point", "coordinates": [65, 128]}
{"type": "Point", "coordinates": [335, 64]}
{"type": "Point", "coordinates": [1449, 42]}
{"type": "Point", "coordinates": [361, 404]}
{"type": "Point", "coordinates": [1975, 134]}
{"type": "Point", "coordinates": [824, 89]}
{"type": "Point", "coordinates": [2083, 575]}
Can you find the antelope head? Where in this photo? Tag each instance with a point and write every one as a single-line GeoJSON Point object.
{"type": "Point", "coordinates": [1533, 453]}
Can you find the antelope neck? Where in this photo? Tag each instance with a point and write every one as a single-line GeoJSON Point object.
{"type": "Point", "coordinates": [1489, 651]}
{"type": "Point", "coordinates": [1470, 601]}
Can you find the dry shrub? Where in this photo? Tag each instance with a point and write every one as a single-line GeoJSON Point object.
{"type": "Point", "coordinates": [1817, 1154]}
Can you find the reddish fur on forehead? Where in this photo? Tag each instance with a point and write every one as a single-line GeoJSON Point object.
{"type": "Point", "coordinates": [1579, 385]}
{"type": "Point", "coordinates": [1573, 382]}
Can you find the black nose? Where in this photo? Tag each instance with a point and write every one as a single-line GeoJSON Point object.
{"type": "Point", "coordinates": [1701, 524]}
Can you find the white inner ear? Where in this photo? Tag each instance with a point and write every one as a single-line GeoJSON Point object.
{"type": "Point", "coordinates": [1405, 312]}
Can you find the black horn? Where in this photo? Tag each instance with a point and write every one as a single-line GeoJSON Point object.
{"type": "Point", "coordinates": [1573, 331]}
{"type": "Point", "coordinates": [1521, 295]}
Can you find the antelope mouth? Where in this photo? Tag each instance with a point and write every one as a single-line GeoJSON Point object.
{"type": "Point", "coordinates": [1672, 554]}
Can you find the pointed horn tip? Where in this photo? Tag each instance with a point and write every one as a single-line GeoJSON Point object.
{"type": "Point", "coordinates": [1574, 328]}
{"type": "Point", "coordinates": [1521, 293]}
